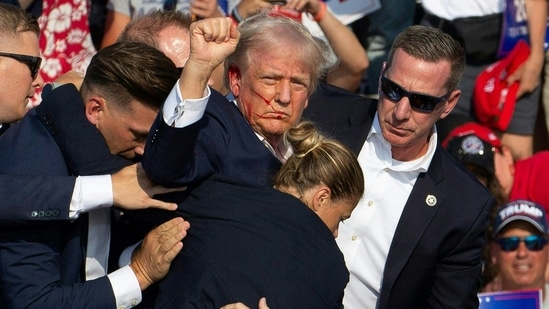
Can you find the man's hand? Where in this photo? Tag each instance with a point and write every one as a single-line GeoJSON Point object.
{"type": "Point", "coordinates": [247, 8]}
{"type": "Point", "coordinates": [308, 6]}
{"type": "Point", "coordinates": [205, 8]}
{"type": "Point", "coordinates": [71, 77]}
{"type": "Point", "coordinates": [151, 261]}
{"type": "Point", "coordinates": [262, 305]}
{"type": "Point", "coordinates": [212, 40]}
{"type": "Point", "coordinates": [132, 190]}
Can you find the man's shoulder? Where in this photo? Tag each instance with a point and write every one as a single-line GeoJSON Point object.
{"type": "Point", "coordinates": [457, 178]}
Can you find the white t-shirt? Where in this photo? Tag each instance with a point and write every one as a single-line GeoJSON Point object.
{"type": "Point", "coordinates": [451, 9]}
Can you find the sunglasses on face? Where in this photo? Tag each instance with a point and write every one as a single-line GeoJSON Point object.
{"type": "Point", "coordinates": [532, 242]}
{"type": "Point", "coordinates": [420, 102]}
{"type": "Point", "coordinates": [32, 62]}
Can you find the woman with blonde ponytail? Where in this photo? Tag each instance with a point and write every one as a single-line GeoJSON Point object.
{"type": "Point", "coordinates": [248, 241]}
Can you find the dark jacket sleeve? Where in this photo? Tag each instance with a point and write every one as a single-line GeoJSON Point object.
{"type": "Point", "coordinates": [41, 263]}
{"type": "Point", "coordinates": [181, 156]}
{"type": "Point", "coordinates": [39, 269]}
{"type": "Point", "coordinates": [31, 198]}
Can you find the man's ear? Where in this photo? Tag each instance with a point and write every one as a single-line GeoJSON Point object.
{"type": "Point", "coordinates": [235, 77]}
{"type": "Point", "coordinates": [321, 197]}
{"type": "Point", "coordinates": [450, 103]}
{"type": "Point", "coordinates": [94, 105]}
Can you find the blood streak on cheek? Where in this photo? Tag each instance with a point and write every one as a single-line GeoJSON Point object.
{"type": "Point", "coordinates": [268, 102]}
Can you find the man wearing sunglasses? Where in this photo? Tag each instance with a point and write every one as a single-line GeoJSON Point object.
{"type": "Point", "coordinates": [519, 250]}
{"type": "Point", "coordinates": [416, 238]}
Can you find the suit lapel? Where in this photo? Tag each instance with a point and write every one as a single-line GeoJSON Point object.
{"type": "Point", "coordinates": [422, 205]}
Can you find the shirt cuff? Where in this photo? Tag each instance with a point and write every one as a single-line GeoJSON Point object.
{"type": "Point", "coordinates": [125, 287]}
{"type": "Point", "coordinates": [90, 192]}
{"type": "Point", "coordinates": [179, 112]}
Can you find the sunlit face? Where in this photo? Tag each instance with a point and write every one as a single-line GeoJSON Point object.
{"type": "Point", "coordinates": [406, 129]}
{"type": "Point", "coordinates": [125, 131]}
{"type": "Point", "coordinates": [272, 92]}
{"type": "Point", "coordinates": [16, 83]}
{"type": "Point", "coordinates": [522, 268]}
{"type": "Point", "coordinates": [335, 212]}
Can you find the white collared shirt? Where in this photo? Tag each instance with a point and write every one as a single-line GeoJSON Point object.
{"type": "Point", "coordinates": [365, 238]}
{"type": "Point", "coordinates": [452, 9]}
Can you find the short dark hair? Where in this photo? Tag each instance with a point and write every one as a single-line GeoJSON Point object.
{"type": "Point", "coordinates": [14, 20]}
{"type": "Point", "coordinates": [127, 71]}
{"type": "Point", "coordinates": [432, 45]}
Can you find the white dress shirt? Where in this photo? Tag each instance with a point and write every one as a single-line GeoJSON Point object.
{"type": "Point", "coordinates": [365, 238]}
{"type": "Point", "coordinates": [452, 9]}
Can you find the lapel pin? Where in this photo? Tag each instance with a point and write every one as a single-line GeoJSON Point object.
{"type": "Point", "coordinates": [431, 200]}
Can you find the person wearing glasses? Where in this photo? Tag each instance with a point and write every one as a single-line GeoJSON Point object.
{"type": "Point", "coordinates": [19, 56]}
{"type": "Point", "coordinates": [65, 263]}
{"type": "Point", "coordinates": [482, 152]}
{"type": "Point", "coordinates": [416, 238]}
{"type": "Point", "coordinates": [47, 198]}
{"type": "Point", "coordinates": [519, 249]}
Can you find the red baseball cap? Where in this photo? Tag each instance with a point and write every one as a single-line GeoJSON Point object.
{"type": "Point", "coordinates": [494, 101]}
{"type": "Point", "coordinates": [473, 143]}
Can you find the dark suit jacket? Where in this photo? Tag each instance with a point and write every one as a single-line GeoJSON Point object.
{"type": "Point", "coordinates": [248, 241]}
{"type": "Point", "coordinates": [221, 142]}
{"type": "Point", "coordinates": [38, 198]}
{"type": "Point", "coordinates": [41, 264]}
{"type": "Point", "coordinates": [44, 198]}
{"type": "Point", "coordinates": [435, 257]}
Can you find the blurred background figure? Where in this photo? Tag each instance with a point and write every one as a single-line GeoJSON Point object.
{"type": "Point", "coordinates": [478, 26]}
{"type": "Point", "coordinates": [120, 12]}
{"type": "Point", "coordinates": [519, 247]}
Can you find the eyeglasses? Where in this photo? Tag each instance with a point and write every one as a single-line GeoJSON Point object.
{"type": "Point", "coordinates": [532, 242]}
{"type": "Point", "coordinates": [420, 102]}
{"type": "Point", "coordinates": [30, 61]}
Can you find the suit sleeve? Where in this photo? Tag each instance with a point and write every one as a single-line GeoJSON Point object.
{"type": "Point", "coordinates": [37, 198]}
{"type": "Point", "coordinates": [181, 156]}
{"type": "Point", "coordinates": [457, 277]}
{"type": "Point", "coordinates": [32, 269]}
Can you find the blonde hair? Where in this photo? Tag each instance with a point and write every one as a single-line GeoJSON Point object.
{"type": "Point", "coordinates": [320, 160]}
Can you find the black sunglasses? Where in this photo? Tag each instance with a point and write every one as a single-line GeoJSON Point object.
{"type": "Point", "coordinates": [32, 62]}
{"type": "Point", "coordinates": [420, 102]}
{"type": "Point", "coordinates": [532, 242]}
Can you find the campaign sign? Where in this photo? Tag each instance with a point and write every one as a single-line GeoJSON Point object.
{"type": "Point", "coordinates": [530, 299]}
{"type": "Point", "coordinates": [515, 27]}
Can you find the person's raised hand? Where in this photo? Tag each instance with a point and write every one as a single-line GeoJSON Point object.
{"type": "Point", "coordinates": [212, 40]}
{"type": "Point", "coordinates": [307, 6]}
{"type": "Point", "coordinates": [247, 8]}
{"type": "Point", "coordinates": [152, 259]}
{"type": "Point", "coordinates": [133, 190]}
{"type": "Point", "coordinates": [205, 8]}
